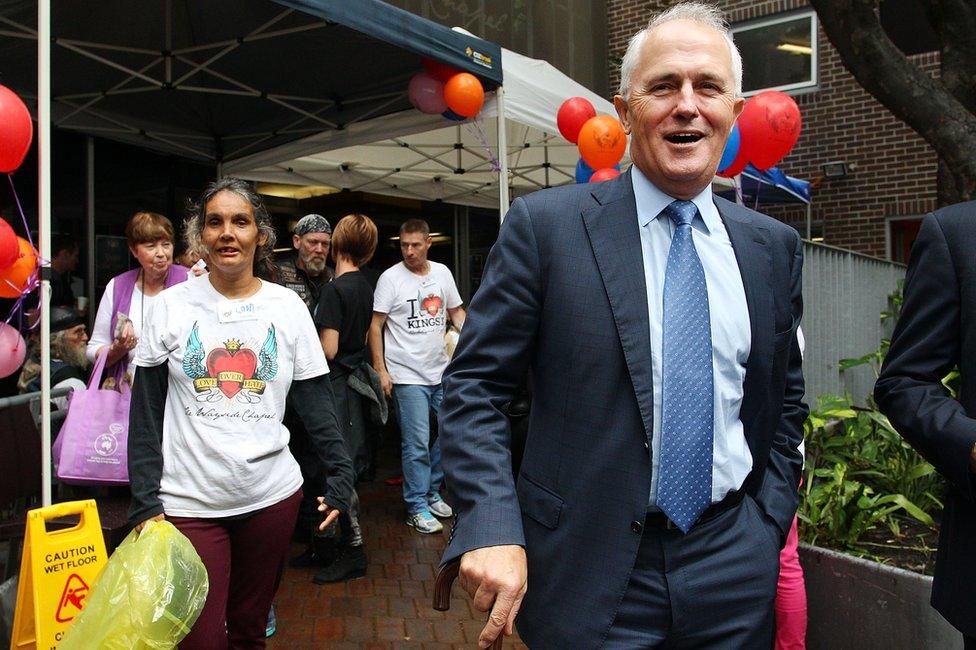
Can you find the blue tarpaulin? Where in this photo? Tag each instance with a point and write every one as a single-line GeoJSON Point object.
{"type": "Point", "coordinates": [771, 186]}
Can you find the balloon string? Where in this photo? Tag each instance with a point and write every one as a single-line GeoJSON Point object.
{"type": "Point", "coordinates": [33, 281]}
{"type": "Point", "coordinates": [475, 129]}
{"type": "Point", "coordinates": [20, 209]}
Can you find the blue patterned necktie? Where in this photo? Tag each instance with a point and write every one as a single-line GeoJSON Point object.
{"type": "Point", "coordinates": [685, 468]}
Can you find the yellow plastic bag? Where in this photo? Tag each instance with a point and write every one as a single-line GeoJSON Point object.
{"type": "Point", "coordinates": [149, 595]}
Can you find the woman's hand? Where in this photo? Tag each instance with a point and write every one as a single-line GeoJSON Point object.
{"type": "Point", "coordinates": [331, 514]}
{"type": "Point", "coordinates": [122, 345]}
{"type": "Point", "coordinates": [140, 526]}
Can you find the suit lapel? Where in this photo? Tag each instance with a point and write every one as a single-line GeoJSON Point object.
{"type": "Point", "coordinates": [613, 232]}
{"type": "Point", "coordinates": [751, 246]}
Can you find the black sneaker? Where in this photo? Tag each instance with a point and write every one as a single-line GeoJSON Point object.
{"type": "Point", "coordinates": [350, 564]}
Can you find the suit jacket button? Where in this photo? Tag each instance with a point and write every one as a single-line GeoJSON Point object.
{"type": "Point", "coordinates": [636, 526]}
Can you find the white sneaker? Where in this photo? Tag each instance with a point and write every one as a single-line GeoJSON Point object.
{"type": "Point", "coordinates": [439, 508]}
{"type": "Point", "coordinates": [423, 522]}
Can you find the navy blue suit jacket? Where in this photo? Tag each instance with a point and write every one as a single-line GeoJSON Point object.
{"type": "Point", "coordinates": [564, 294]}
{"type": "Point", "coordinates": [936, 333]}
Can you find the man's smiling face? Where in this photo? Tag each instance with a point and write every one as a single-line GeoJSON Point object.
{"type": "Point", "coordinates": [680, 107]}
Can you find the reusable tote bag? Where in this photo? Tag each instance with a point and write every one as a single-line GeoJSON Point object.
{"type": "Point", "coordinates": [92, 446]}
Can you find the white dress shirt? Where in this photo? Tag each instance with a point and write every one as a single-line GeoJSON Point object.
{"type": "Point", "coordinates": [730, 326]}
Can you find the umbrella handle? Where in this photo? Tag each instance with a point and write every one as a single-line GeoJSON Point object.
{"type": "Point", "coordinates": [442, 594]}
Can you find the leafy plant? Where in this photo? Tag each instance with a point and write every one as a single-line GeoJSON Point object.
{"type": "Point", "coordinates": [860, 474]}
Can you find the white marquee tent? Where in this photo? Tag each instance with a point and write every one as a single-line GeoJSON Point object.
{"type": "Point", "coordinates": [419, 156]}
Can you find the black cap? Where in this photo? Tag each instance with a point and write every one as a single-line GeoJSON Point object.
{"type": "Point", "coordinates": [63, 318]}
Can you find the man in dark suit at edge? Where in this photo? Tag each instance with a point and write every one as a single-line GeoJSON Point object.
{"type": "Point", "coordinates": [660, 469]}
{"type": "Point", "coordinates": [934, 334]}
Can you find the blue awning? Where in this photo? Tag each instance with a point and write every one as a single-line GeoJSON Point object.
{"type": "Point", "coordinates": [223, 79]}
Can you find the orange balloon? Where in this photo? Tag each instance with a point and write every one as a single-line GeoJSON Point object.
{"type": "Point", "coordinates": [464, 94]}
{"type": "Point", "coordinates": [602, 142]}
{"type": "Point", "coordinates": [14, 278]}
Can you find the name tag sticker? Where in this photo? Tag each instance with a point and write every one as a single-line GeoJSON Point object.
{"type": "Point", "coordinates": [233, 311]}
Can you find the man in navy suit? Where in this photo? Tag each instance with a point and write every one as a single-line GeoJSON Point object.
{"type": "Point", "coordinates": [934, 335]}
{"type": "Point", "coordinates": [660, 467]}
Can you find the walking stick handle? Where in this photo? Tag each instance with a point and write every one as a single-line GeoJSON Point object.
{"type": "Point", "coordinates": [442, 594]}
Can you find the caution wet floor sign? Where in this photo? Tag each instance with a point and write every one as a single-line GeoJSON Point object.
{"type": "Point", "coordinates": [57, 572]}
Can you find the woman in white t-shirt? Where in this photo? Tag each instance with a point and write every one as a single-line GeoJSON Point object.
{"type": "Point", "coordinates": [207, 447]}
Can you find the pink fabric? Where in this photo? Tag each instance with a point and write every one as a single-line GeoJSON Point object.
{"type": "Point", "coordinates": [791, 597]}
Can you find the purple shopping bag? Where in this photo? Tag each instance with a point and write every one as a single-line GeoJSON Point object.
{"type": "Point", "coordinates": [92, 446]}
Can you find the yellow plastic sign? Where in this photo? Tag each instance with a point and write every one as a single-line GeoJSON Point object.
{"type": "Point", "coordinates": [57, 572]}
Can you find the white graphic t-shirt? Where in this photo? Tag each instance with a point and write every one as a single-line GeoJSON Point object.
{"type": "Point", "coordinates": [231, 363]}
{"type": "Point", "coordinates": [416, 308]}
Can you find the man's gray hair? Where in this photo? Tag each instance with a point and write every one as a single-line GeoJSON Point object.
{"type": "Point", "coordinates": [699, 12]}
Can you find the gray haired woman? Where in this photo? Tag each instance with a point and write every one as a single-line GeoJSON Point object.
{"type": "Point", "coordinates": [207, 447]}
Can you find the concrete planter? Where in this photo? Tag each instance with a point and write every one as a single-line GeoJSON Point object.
{"type": "Point", "coordinates": [859, 604]}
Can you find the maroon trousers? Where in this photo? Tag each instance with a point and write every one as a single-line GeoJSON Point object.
{"type": "Point", "coordinates": [245, 557]}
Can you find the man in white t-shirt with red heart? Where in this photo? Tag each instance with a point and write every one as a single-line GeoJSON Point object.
{"type": "Point", "coordinates": [413, 302]}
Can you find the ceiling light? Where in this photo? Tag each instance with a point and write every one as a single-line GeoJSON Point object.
{"type": "Point", "coordinates": [792, 48]}
{"type": "Point", "coordinates": [284, 191]}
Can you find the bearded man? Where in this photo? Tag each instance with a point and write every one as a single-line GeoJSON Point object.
{"type": "Point", "coordinates": [69, 367]}
{"type": "Point", "coordinates": [304, 270]}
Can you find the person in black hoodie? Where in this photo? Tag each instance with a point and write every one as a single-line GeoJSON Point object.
{"type": "Point", "coordinates": [343, 316]}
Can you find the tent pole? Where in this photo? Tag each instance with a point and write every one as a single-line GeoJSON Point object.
{"type": "Point", "coordinates": [44, 230]}
{"type": "Point", "coordinates": [809, 221]}
{"type": "Point", "coordinates": [502, 155]}
{"type": "Point", "coordinates": [545, 151]}
{"type": "Point", "coordinates": [90, 224]}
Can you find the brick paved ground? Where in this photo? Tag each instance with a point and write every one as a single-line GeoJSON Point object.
{"type": "Point", "coordinates": [391, 606]}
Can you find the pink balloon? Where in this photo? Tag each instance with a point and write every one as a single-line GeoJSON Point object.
{"type": "Point", "coordinates": [426, 93]}
{"type": "Point", "coordinates": [13, 349]}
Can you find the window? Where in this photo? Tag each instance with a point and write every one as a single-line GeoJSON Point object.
{"type": "Point", "coordinates": [902, 232]}
{"type": "Point", "coordinates": [778, 53]}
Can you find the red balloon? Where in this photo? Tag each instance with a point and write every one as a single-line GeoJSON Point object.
{"type": "Point", "coordinates": [439, 70]}
{"type": "Point", "coordinates": [602, 142]}
{"type": "Point", "coordinates": [9, 250]}
{"type": "Point", "coordinates": [604, 174]}
{"type": "Point", "coordinates": [770, 124]}
{"type": "Point", "coordinates": [16, 130]}
{"type": "Point", "coordinates": [572, 115]}
{"type": "Point", "coordinates": [464, 94]}
{"type": "Point", "coordinates": [741, 159]}
{"type": "Point", "coordinates": [15, 279]}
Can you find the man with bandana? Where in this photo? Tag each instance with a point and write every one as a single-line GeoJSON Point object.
{"type": "Point", "coordinates": [304, 270]}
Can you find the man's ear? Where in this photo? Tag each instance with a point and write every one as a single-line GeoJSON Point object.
{"type": "Point", "coordinates": [623, 112]}
{"type": "Point", "coordinates": [295, 239]}
{"type": "Point", "coordinates": [737, 107]}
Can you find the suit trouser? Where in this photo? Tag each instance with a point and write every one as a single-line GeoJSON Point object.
{"type": "Point", "coordinates": [711, 588]}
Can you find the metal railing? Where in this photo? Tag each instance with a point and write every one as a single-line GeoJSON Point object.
{"type": "Point", "coordinates": [844, 294]}
{"type": "Point", "coordinates": [34, 400]}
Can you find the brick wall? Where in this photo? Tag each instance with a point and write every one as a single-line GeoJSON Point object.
{"type": "Point", "coordinates": [894, 170]}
